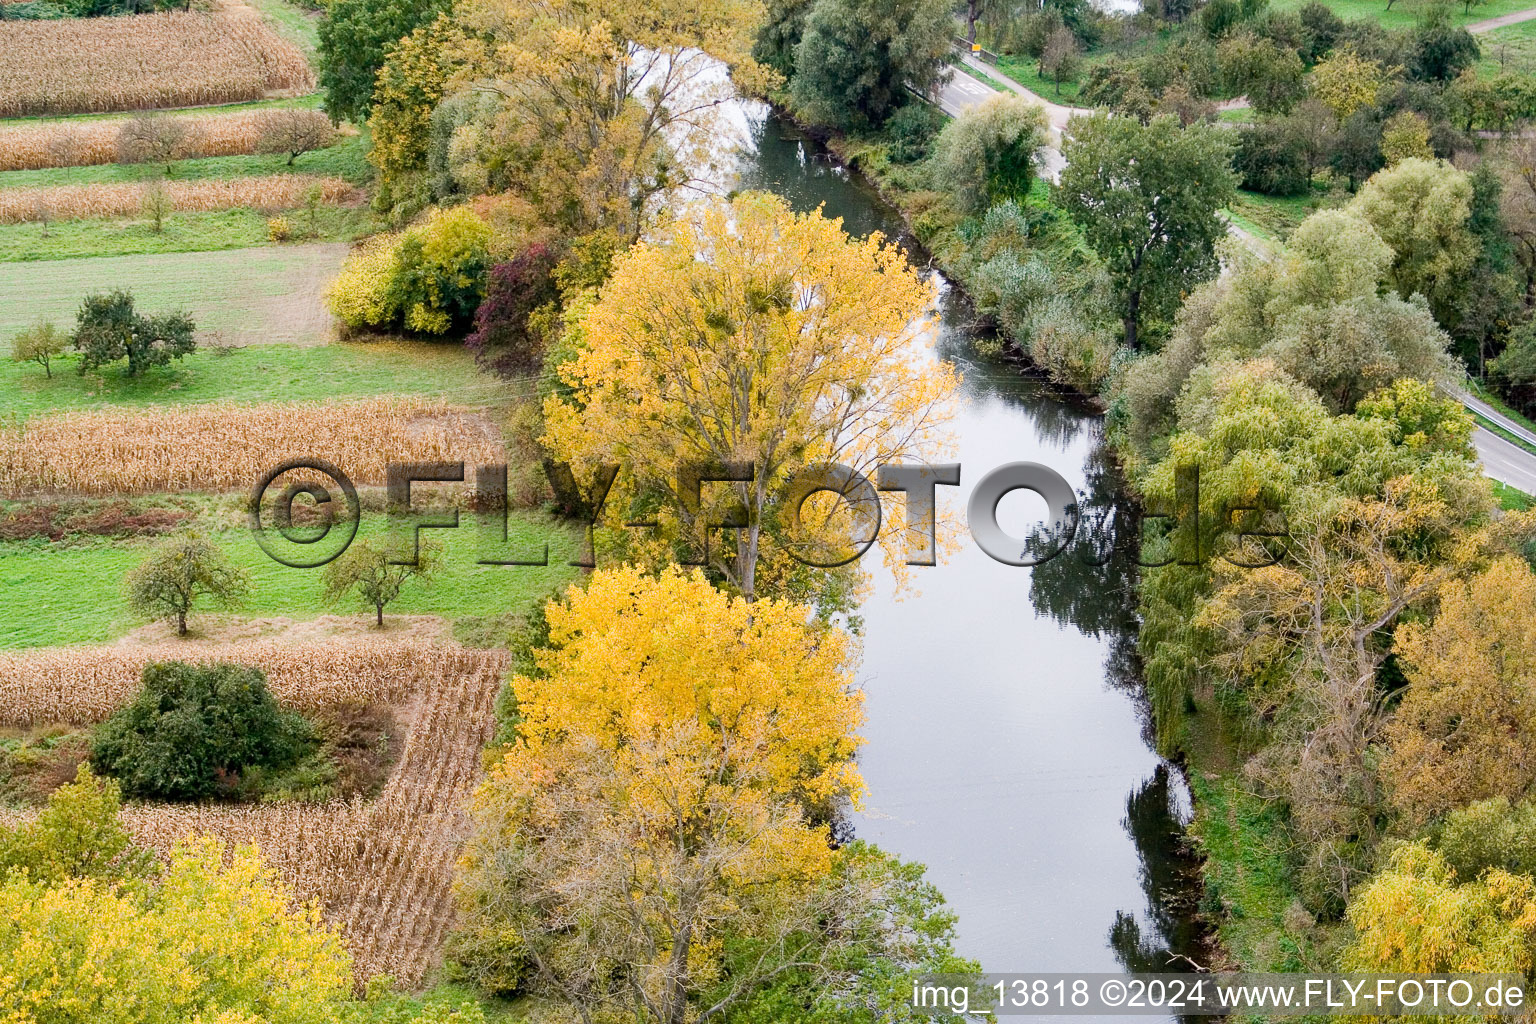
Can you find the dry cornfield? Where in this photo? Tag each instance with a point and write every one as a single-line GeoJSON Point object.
{"type": "Point", "coordinates": [122, 199]}
{"type": "Point", "coordinates": [383, 869]}
{"type": "Point", "coordinates": [170, 59]}
{"type": "Point", "coordinates": [224, 446]}
{"type": "Point", "coordinates": [31, 147]}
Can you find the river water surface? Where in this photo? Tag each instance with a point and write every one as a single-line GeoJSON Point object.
{"type": "Point", "coordinates": [1005, 735]}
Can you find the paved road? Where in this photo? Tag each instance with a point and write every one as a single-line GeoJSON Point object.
{"type": "Point", "coordinates": [1503, 461]}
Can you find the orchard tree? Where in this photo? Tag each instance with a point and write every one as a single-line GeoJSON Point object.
{"type": "Point", "coordinates": [989, 153]}
{"type": "Point", "coordinates": [857, 58]}
{"type": "Point", "coordinates": [108, 329]}
{"type": "Point", "coordinates": [1060, 58]}
{"type": "Point", "coordinates": [1403, 135]}
{"type": "Point", "coordinates": [749, 333]}
{"type": "Point", "coordinates": [150, 137]}
{"type": "Point", "coordinates": [354, 35]}
{"type": "Point", "coordinates": [367, 570]}
{"type": "Point", "coordinates": [1148, 198]}
{"type": "Point", "coordinates": [1346, 82]}
{"type": "Point", "coordinates": [39, 344]}
{"type": "Point", "coordinates": [293, 132]}
{"type": "Point", "coordinates": [181, 572]}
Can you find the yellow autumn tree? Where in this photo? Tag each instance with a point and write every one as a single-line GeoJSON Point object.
{"type": "Point", "coordinates": [1416, 917]}
{"type": "Point", "coordinates": [748, 333]}
{"type": "Point", "coordinates": [209, 942]}
{"type": "Point", "coordinates": [1466, 728]}
{"type": "Point", "coordinates": [677, 758]}
{"type": "Point", "coordinates": [1346, 81]}
{"type": "Point", "coordinates": [609, 105]}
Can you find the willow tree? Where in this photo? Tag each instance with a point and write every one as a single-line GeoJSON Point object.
{"type": "Point", "coordinates": [751, 334]}
{"type": "Point", "coordinates": [608, 106]}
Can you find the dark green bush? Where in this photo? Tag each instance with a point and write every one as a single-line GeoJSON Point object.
{"type": "Point", "coordinates": [192, 726]}
{"type": "Point", "coordinates": [911, 131]}
{"type": "Point", "coordinates": [1271, 160]}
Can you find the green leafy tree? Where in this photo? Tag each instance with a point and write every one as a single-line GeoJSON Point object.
{"type": "Point", "coordinates": [108, 329]}
{"type": "Point", "coordinates": [1060, 57]}
{"type": "Point", "coordinates": [988, 153]}
{"type": "Point", "coordinates": [1421, 208]}
{"type": "Point", "coordinates": [182, 571]}
{"type": "Point", "coordinates": [367, 571]}
{"type": "Point", "coordinates": [39, 344]}
{"type": "Point", "coordinates": [192, 724]}
{"type": "Point", "coordinates": [78, 835]}
{"type": "Point", "coordinates": [354, 35]}
{"type": "Point", "coordinates": [856, 58]}
{"type": "Point", "coordinates": [780, 34]}
{"type": "Point", "coordinates": [1147, 197]}
{"type": "Point", "coordinates": [1490, 834]}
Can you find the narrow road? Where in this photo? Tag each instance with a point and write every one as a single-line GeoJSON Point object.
{"type": "Point", "coordinates": [1508, 463]}
{"type": "Point", "coordinates": [1513, 18]}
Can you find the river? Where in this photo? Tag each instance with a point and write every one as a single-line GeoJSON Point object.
{"type": "Point", "coordinates": [1006, 735]}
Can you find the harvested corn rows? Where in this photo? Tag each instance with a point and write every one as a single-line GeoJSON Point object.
{"type": "Point", "coordinates": [80, 685]}
{"type": "Point", "coordinates": [381, 870]}
{"type": "Point", "coordinates": [120, 199]}
{"type": "Point", "coordinates": [30, 147]}
{"type": "Point", "coordinates": [223, 447]}
{"type": "Point", "coordinates": [170, 59]}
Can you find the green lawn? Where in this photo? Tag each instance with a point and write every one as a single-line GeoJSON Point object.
{"type": "Point", "coordinates": [1025, 70]}
{"type": "Point", "coordinates": [347, 159]}
{"type": "Point", "coordinates": [293, 23]}
{"type": "Point", "coordinates": [1404, 12]}
{"type": "Point", "coordinates": [51, 596]}
{"type": "Point", "coordinates": [253, 296]}
{"type": "Point", "coordinates": [1510, 498]}
{"type": "Point", "coordinates": [1276, 216]}
{"type": "Point", "coordinates": [182, 233]}
{"type": "Point", "coordinates": [262, 373]}
{"type": "Point", "coordinates": [1511, 48]}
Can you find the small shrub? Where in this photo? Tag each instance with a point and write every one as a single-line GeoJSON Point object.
{"type": "Point", "coordinates": [503, 339]}
{"type": "Point", "coordinates": [429, 278]}
{"type": "Point", "coordinates": [192, 725]}
{"type": "Point", "coordinates": [278, 229]}
{"type": "Point", "coordinates": [911, 131]}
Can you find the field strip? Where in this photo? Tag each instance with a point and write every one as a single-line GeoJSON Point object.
{"type": "Point", "coordinates": [271, 192]}
{"type": "Point", "coordinates": [168, 59]}
{"type": "Point", "coordinates": [382, 870]}
{"type": "Point", "coordinates": [220, 446]}
{"type": "Point", "coordinates": [37, 145]}
{"type": "Point", "coordinates": [250, 296]}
